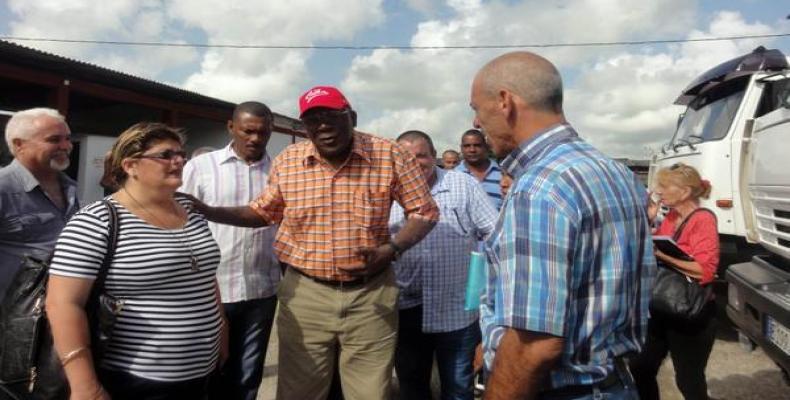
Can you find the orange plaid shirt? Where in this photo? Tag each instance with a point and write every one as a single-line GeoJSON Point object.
{"type": "Point", "coordinates": [325, 215]}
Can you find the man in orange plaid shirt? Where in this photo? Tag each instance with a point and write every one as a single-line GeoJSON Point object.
{"type": "Point", "coordinates": [331, 196]}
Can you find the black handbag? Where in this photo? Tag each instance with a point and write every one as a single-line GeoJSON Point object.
{"type": "Point", "coordinates": [674, 294]}
{"type": "Point", "coordinates": [29, 365]}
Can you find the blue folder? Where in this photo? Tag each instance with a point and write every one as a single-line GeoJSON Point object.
{"type": "Point", "coordinates": [476, 282]}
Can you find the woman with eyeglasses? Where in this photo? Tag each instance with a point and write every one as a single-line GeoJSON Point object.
{"type": "Point", "coordinates": [167, 338]}
{"type": "Point", "coordinates": [689, 343]}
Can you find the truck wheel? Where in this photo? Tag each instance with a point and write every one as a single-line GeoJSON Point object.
{"type": "Point", "coordinates": [746, 343]}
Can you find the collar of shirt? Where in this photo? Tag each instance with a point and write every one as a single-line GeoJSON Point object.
{"type": "Point", "coordinates": [439, 186]}
{"type": "Point", "coordinates": [492, 166]}
{"type": "Point", "coordinates": [228, 154]}
{"type": "Point", "coordinates": [516, 162]}
{"type": "Point", "coordinates": [359, 146]}
{"type": "Point", "coordinates": [29, 182]}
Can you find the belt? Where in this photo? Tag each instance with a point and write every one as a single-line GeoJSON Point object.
{"type": "Point", "coordinates": [611, 380]}
{"type": "Point", "coordinates": [340, 284]}
{"type": "Point", "coordinates": [581, 390]}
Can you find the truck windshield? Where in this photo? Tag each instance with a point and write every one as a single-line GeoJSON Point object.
{"type": "Point", "coordinates": [708, 118]}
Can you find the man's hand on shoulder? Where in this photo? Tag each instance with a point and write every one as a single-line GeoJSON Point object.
{"type": "Point", "coordinates": [197, 205]}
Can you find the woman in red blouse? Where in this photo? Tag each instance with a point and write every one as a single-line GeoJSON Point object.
{"type": "Point", "coordinates": [680, 188]}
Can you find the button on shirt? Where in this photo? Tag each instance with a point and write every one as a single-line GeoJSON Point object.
{"type": "Point", "coordinates": [248, 269]}
{"type": "Point", "coordinates": [571, 256]}
{"type": "Point", "coordinates": [326, 215]}
{"type": "Point", "coordinates": [490, 183]}
{"type": "Point", "coordinates": [434, 272]}
{"type": "Point", "coordinates": [29, 222]}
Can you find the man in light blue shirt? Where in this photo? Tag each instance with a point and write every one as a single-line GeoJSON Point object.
{"type": "Point", "coordinates": [476, 163]}
{"type": "Point", "coordinates": [36, 197]}
{"type": "Point", "coordinates": [432, 277]}
{"type": "Point", "coordinates": [570, 262]}
{"type": "Point", "coordinates": [248, 272]}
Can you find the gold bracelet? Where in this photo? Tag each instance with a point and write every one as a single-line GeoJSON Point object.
{"type": "Point", "coordinates": [72, 355]}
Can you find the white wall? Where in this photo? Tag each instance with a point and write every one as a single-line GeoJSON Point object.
{"type": "Point", "coordinates": [91, 166]}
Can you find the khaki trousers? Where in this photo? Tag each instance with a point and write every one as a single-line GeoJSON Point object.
{"type": "Point", "coordinates": [319, 326]}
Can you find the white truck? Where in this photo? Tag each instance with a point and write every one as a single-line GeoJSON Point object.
{"type": "Point", "coordinates": [713, 135]}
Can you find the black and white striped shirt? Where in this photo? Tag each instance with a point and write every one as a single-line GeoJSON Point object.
{"type": "Point", "coordinates": [168, 328]}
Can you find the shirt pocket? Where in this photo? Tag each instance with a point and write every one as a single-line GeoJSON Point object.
{"type": "Point", "coordinates": [456, 220]}
{"type": "Point", "coordinates": [371, 209]}
{"type": "Point", "coordinates": [28, 226]}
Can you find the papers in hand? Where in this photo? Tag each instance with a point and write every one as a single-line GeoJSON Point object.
{"type": "Point", "coordinates": [668, 246]}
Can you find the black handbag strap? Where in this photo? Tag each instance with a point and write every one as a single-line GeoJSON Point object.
{"type": "Point", "coordinates": [679, 230]}
{"type": "Point", "coordinates": [112, 242]}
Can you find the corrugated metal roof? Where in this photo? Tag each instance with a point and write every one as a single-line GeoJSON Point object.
{"type": "Point", "coordinates": [23, 56]}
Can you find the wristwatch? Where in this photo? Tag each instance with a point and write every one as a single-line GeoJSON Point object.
{"type": "Point", "coordinates": [397, 250]}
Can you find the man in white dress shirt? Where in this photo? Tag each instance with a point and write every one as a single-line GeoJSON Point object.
{"type": "Point", "coordinates": [248, 273]}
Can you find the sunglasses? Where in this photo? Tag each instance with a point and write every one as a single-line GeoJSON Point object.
{"type": "Point", "coordinates": [329, 117]}
{"type": "Point", "coordinates": [167, 155]}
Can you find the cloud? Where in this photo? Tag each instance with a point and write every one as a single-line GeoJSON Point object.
{"type": "Point", "coordinates": [620, 98]}
{"type": "Point", "coordinates": [423, 6]}
{"type": "Point", "coordinates": [121, 20]}
{"type": "Point", "coordinates": [273, 76]}
{"type": "Point", "coordinates": [623, 104]}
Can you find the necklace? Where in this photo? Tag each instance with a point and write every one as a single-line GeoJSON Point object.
{"type": "Point", "coordinates": [193, 261]}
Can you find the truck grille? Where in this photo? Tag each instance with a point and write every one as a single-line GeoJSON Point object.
{"type": "Point", "coordinates": [771, 206]}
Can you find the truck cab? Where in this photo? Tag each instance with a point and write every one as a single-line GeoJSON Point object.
{"type": "Point", "coordinates": [758, 292]}
{"type": "Point", "coordinates": [712, 135]}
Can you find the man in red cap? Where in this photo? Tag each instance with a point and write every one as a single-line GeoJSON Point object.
{"type": "Point", "coordinates": [331, 196]}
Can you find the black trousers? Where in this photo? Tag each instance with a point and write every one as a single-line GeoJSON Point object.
{"type": "Point", "coordinates": [250, 326]}
{"type": "Point", "coordinates": [689, 345]}
{"type": "Point", "coordinates": [125, 386]}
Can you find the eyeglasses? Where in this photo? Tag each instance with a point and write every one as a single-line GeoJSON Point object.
{"type": "Point", "coordinates": [329, 117]}
{"type": "Point", "coordinates": [167, 155]}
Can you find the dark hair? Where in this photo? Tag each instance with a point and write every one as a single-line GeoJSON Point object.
{"type": "Point", "coordinates": [134, 142]}
{"type": "Point", "coordinates": [254, 108]}
{"type": "Point", "coordinates": [475, 132]}
{"type": "Point", "coordinates": [413, 135]}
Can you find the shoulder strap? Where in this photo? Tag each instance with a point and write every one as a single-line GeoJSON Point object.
{"type": "Point", "coordinates": [678, 231]}
{"type": "Point", "coordinates": [112, 242]}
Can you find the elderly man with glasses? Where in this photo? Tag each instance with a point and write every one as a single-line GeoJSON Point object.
{"type": "Point", "coordinates": [331, 196]}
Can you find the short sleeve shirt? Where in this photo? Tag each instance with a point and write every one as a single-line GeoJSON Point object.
{"type": "Point", "coordinates": [571, 256]}
{"type": "Point", "coordinates": [29, 222]}
{"type": "Point", "coordinates": [699, 239]}
{"type": "Point", "coordinates": [325, 215]}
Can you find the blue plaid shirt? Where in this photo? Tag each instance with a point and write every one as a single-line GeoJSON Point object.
{"type": "Point", "coordinates": [490, 182]}
{"type": "Point", "coordinates": [434, 272]}
{"type": "Point", "coordinates": [571, 256]}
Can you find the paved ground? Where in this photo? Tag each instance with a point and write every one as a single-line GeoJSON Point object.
{"type": "Point", "coordinates": [733, 373]}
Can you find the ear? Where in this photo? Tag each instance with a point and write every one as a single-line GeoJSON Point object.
{"type": "Point", "coordinates": [129, 165]}
{"type": "Point", "coordinates": [685, 194]}
{"type": "Point", "coordinates": [17, 143]}
{"type": "Point", "coordinates": [353, 118]}
{"type": "Point", "coordinates": [507, 105]}
{"type": "Point", "coordinates": [229, 125]}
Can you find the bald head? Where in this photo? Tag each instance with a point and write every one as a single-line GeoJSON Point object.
{"type": "Point", "coordinates": [528, 76]}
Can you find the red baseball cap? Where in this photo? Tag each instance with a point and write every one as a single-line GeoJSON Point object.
{"type": "Point", "coordinates": [322, 96]}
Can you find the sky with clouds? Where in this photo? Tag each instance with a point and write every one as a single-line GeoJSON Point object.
{"type": "Point", "coordinates": [618, 97]}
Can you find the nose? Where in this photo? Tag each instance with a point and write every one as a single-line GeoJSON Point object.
{"type": "Point", "coordinates": [476, 123]}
